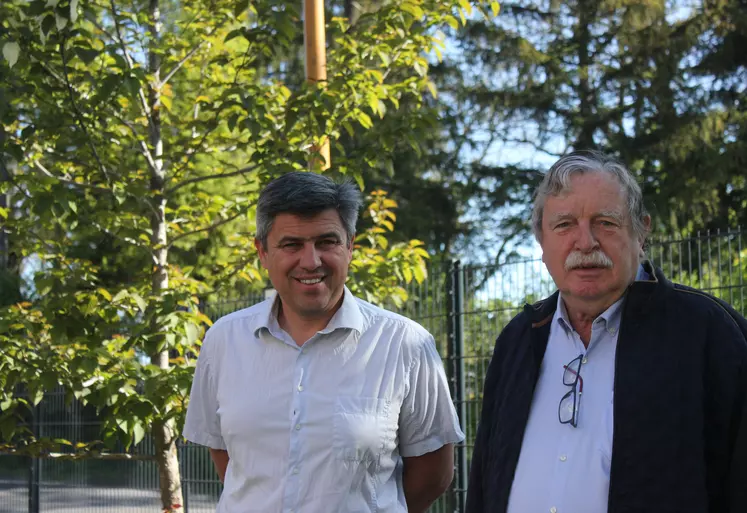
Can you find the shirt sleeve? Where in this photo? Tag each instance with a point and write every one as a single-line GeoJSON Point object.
{"type": "Point", "coordinates": [428, 420]}
{"type": "Point", "coordinates": [202, 425]}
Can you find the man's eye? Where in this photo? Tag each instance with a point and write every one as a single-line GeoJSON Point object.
{"type": "Point", "coordinates": [564, 224]}
{"type": "Point", "coordinates": [291, 245]}
{"type": "Point", "coordinates": [327, 243]}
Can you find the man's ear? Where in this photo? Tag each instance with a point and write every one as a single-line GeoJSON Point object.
{"type": "Point", "coordinates": [351, 241]}
{"type": "Point", "coordinates": [261, 251]}
{"type": "Point", "coordinates": [642, 241]}
{"type": "Point", "coordinates": [647, 228]}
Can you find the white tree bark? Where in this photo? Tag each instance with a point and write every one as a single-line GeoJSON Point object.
{"type": "Point", "coordinates": [164, 433]}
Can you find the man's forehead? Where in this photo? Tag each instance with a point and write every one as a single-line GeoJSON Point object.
{"type": "Point", "coordinates": [307, 226]}
{"type": "Point", "coordinates": [569, 214]}
{"type": "Point", "coordinates": [571, 201]}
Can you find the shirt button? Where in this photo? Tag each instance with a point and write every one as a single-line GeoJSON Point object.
{"type": "Point", "coordinates": [300, 388]}
{"type": "Point", "coordinates": [613, 330]}
{"type": "Point", "coordinates": [553, 510]}
{"type": "Point", "coordinates": [563, 457]}
{"type": "Point", "coordinates": [295, 470]}
{"type": "Point", "coordinates": [298, 427]}
{"type": "Point", "coordinates": [584, 360]}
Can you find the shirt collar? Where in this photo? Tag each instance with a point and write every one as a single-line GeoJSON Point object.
{"type": "Point", "coordinates": [348, 316]}
{"type": "Point", "coordinates": [611, 317]}
{"type": "Point", "coordinates": [642, 275]}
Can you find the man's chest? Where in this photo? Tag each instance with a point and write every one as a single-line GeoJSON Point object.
{"type": "Point", "coordinates": [339, 400]}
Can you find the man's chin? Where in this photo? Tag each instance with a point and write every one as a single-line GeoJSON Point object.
{"type": "Point", "coordinates": [594, 292]}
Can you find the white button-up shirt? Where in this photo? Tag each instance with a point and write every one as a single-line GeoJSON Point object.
{"type": "Point", "coordinates": [561, 468]}
{"type": "Point", "coordinates": [322, 427]}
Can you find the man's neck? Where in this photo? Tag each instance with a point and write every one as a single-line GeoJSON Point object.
{"type": "Point", "coordinates": [302, 328]}
{"type": "Point", "coordinates": [582, 315]}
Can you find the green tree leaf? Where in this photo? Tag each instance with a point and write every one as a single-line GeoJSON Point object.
{"type": "Point", "coordinates": [11, 51]}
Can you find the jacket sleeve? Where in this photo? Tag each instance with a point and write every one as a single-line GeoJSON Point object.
{"type": "Point", "coordinates": [480, 454]}
{"type": "Point", "coordinates": [726, 430]}
{"type": "Point", "coordinates": [738, 467]}
{"type": "Point", "coordinates": [738, 470]}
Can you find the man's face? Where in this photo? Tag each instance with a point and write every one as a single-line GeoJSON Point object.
{"type": "Point", "coordinates": [588, 243]}
{"type": "Point", "coordinates": [307, 259]}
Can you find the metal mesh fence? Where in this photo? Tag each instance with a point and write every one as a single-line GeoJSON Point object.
{"type": "Point", "coordinates": [465, 308]}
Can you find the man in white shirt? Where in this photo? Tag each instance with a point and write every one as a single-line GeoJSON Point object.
{"type": "Point", "coordinates": [317, 401]}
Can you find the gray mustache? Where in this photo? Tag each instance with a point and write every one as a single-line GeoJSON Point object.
{"type": "Point", "coordinates": [578, 260]}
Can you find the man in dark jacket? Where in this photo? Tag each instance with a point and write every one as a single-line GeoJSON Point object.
{"type": "Point", "coordinates": [622, 392]}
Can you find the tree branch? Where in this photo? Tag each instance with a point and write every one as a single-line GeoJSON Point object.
{"type": "Point", "coordinates": [216, 115]}
{"type": "Point", "coordinates": [14, 182]}
{"type": "Point", "coordinates": [179, 64]}
{"type": "Point", "coordinates": [94, 21]}
{"type": "Point", "coordinates": [191, 52]}
{"type": "Point", "coordinates": [45, 242]}
{"type": "Point", "coordinates": [53, 74]}
{"type": "Point", "coordinates": [237, 268]}
{"type": "Point", "coordinates": [481, 282]}
{"type": "Point", "coordinates": [128, 60]}
{"type": "Point", "coordinates": [197, 179]}
{"type": "Point", "coordinates": [144, 150]}
{"type": "Point", "coordinates": [68, 180]}
{"type": "Point", "coordinates": [126, 240]}
{"type": "Point", "coordinates": [76, 111]}
{"type": "Point", "coordinates": [533, 144]}
{"type": "Point", "coordinates": [209, 228]}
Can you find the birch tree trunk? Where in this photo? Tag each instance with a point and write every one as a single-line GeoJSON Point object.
{"type": "Point", "coordinates": [164, 433]}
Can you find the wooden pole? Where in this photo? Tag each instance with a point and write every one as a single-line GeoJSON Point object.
{"type": "Point", "coordinates": [316, 61]}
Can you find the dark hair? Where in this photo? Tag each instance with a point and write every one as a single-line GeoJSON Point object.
{"type": "Point", "coordinates": [307, 194]}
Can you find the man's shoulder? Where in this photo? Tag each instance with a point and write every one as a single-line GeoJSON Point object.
{"type": "Point", "coordinates": [534, 314]}
{"type": "Point", "coordinates": [702, 302]}
{"type": "Point", "coordinates": [247, 318]}
{"type": "Point", "coordinates": [698, 305]}
{"type": "Point", "coordinates": [515, 335]}
{"type": "Point", "coordinates": [374, 316]}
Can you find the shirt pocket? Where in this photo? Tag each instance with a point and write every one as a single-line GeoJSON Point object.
{"type": "Point", "coordinates": [363, 429]}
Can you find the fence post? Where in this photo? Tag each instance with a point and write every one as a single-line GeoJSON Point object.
{"type": "Point", "coordinates": [456, 375]}
{"type": "Point", "coordinates": [184, 455]}
{"type": "Point", "coordinates": [34, 463]}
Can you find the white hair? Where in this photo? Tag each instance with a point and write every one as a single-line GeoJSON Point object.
{"type": "Point", "coordinates": [558, 180]}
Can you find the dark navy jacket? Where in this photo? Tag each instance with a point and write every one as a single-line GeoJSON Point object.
{"type": "Point", "coordinates": [680, 410]}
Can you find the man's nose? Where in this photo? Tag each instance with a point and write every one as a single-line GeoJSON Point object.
{"type": "Point", "coordinates": [310, 257]}
{"type": "Point", "coordinates": [586, 241]}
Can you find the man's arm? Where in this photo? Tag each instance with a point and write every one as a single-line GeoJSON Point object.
{"type": "Point", "coordinates": [428, 428]}
{"type": "Point", "coordinates": [202, 424]}
{"type": "Point", "coordinates": [426, 477]}
{"type": "Point", "coordinates": [220, 461]}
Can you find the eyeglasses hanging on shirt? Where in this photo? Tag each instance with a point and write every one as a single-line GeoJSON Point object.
{"type": "Point", "coordinates": [569, 403]}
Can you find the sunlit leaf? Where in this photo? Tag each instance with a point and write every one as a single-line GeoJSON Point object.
{"type": "Point", "coordinates": [73, 10]}
{"type": "Point", "coordinates": [11, 51]}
